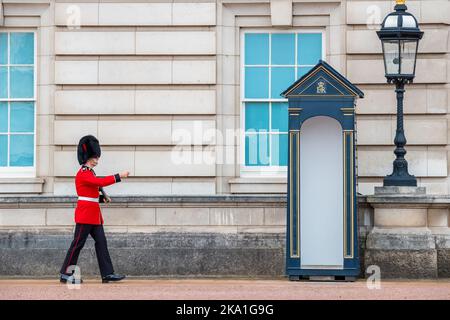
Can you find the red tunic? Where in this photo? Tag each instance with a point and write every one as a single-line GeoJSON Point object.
{"type": "Point", "coordinates": [87, 185]}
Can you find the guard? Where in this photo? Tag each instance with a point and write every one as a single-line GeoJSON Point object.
{"type": "Point", "coordinates": [88, 216]}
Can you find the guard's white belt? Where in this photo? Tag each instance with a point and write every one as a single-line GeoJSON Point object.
{"type": "Point", "coordinates": [88, 199]}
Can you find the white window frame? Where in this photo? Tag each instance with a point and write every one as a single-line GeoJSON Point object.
{"type": "Point", "coordinates": [22, 172]}
{"type": "Point", "coordinates": [266, 171]}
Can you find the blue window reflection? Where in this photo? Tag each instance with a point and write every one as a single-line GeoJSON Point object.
{"type": "Point", "coordinates": [272, 62]}
{"type": "Point", "coordinates": [21, 150]}
{"type": "Point", "coordinates": [22, 116]}
{"type": "Point", "coordinates": [22, 48]}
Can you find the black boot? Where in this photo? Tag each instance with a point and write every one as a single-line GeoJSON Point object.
{"type": "Point", "coordinates": [112, 277]}
{"type": "Point", "coordinates": [64, 277]}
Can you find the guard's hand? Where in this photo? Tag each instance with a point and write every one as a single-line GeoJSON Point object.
{"type": "Point", "coordinates": [124, 174]}
{"type": "Point", "coordinates": [107, 200]}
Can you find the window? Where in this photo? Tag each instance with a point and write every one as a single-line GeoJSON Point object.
{"type": "Point", "coordinates": [271, 62]}
{"type": "Point", "coordinates": [17, 101]}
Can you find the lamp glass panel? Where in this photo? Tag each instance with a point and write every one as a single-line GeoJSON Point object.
{"type": "Point", "coordinates": [391, 22]}
{"type": "Point", "coordinates": [391, 56]}
{"type": "Point", "coordinates": [409, 22]}
{"type": "Point", "coordinates": [408, 50]}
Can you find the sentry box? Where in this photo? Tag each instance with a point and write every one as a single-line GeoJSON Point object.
{"type": "Point", "coordinates": [322, 226]}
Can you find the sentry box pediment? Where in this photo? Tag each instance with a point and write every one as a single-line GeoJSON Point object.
{"type": "Point", "coordinates": [322, 229]}
{"type": "Point", "coordinates": [322, 81]}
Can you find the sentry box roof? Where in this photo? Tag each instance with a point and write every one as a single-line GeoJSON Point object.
{"type": "Point", "coordinates": [322, 80]}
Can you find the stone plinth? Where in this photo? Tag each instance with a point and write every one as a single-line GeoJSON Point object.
{"type": "Point", "coordinates": [410, 234]}
{"type": "Point", "coordinates": [397, 191]}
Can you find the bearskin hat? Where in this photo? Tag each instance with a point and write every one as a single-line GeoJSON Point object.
{"type": "Point", "coordinates": [88, 147]}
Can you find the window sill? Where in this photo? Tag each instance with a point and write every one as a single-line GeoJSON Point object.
{"type": "Point", "coordinates": [265, 185]}
{"type": "Point", "coordinates": [21, 185]}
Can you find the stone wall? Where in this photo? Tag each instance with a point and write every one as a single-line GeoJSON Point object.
{"type": "Point", "coordinates": [134, 72]}
{"type": "Point", "coordinates": [150, 236]}
{"type": "Point", "coordinates": [205, 236]}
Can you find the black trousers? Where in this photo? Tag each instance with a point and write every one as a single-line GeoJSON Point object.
{"type": "Point", "coordinates": [101, 248]}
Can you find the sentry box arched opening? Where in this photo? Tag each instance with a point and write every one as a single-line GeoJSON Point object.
{"type": "Point", "coordinates": [322, 226]}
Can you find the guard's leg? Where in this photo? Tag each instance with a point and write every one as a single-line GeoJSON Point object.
{"type": "Point", "coordinates": [101, 249]}
{"type": "Point", "coordinates": [81, 233]}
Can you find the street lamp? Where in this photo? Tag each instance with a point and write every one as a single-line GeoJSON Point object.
{"type": "Point", "coordinates": [400, 35]}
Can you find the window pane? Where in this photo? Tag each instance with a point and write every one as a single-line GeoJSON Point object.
{"type": "Point", "coordinates": [21, 150]}
{"type": "Point", "coordinates": [282, 78]}
{"type": "Point", "coordinates": [257, 48]}
{"type": "Point", "coordinates": [257, 150]}
{"type": "Point", "coordinates": [3, 82]}
{"type": "Point", "coordinates": [22, 116]}
{"type": "Point", "coordinates": [22, 48]}
{"type": "Point", "coordinates": [302, 71]}
{"type": "Point", "coordinates": [3, 150]}
{"type": "Point", "coordinates": [3, 116]}
{"type": "Point", "coordinates": [309, 48]}
{"type": "Point", "coordinates": [256, 82]}
{"type": "Point", "coordinates": [3, 48]}
{"type": "Point", "coordinates": [283, 48]}
{"type": "Point", "coordinates": [257, 116]}
{"type": "Point", "coordinates": [21, 82]}
{"type": "Point", "coordinates": [279, 145]}
{"type": "Point", "coordinates": [280, 117]}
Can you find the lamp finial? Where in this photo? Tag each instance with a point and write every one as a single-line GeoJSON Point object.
{"type": "Point", "coordinates": [400, 1]}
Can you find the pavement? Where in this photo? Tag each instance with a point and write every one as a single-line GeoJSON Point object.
{"type": "Point", "coordinates": [223, 289]}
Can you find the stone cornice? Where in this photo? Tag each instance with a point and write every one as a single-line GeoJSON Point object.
{"type": "Point", "coordinates": [213, 200]}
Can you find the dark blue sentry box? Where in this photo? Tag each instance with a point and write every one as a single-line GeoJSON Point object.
{"type": "Point", "coordinates": [322, 226]}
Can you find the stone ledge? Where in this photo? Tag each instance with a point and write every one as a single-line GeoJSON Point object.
{"type": "Point", "coordinates": [258, 185]}
{"type": "Point", "coordinates": [422, 201]}
{"type": "Point", "coordinates": [21, 185]}
{"type": "Point", "coordinates": [400, 191]}
{"type": "Point", "coordinates": [400, 239]}
{"type": "Point", "coordinates": [147, 201]}
{"type": "Point", "coordinates": [426, 201]}
{"type": "Point", "coordinates": [152, 199]}
{"type": "Point", "coordinates": [443, 240]}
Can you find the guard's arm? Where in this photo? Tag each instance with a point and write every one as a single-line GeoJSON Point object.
{"type": "Point", "coordinates": [89, 178]}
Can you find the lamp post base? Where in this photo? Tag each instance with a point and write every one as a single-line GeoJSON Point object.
{"type": "Point", "coordinates": [400, 180]}
{"type": "Point", "coordinates": [395, 190]}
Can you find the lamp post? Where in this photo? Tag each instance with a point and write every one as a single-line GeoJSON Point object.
{"type": "Point", "coordinates": [400, 35]}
